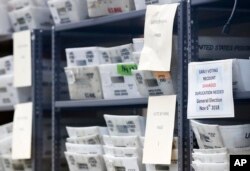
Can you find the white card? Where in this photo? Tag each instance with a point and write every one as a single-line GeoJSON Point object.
{"type": "Point", "coordinates": [159, 130]}
{"type": "Point", "coordinates": [22, 59]}
{"type": "Point", "coordinates": [157, 51]}
{"type": "Point", "coordinates": [22, 131]}
{"type": "Point", "coordinates": [210, 92]}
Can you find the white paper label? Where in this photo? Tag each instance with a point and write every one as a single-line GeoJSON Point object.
{"type": "Point", "coordinates": [22, 131]}
{"type": "Point", "coordinates": [22, 59]}
{"type": "Point", "coordinates": [210, 93]}
{"type": "Point", "coordinates": [157, 51]}
{"type": "Point", "coordinates": [159, 130]}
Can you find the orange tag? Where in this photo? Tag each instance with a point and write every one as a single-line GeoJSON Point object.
{"type": "Point", "coordinates": [162, 74]}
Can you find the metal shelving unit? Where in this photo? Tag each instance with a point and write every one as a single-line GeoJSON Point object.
{"type": "Point", "coordinates": [195, 22]}
{"type": "Point", "coordinates": [101, 20]}
{"type": "Point", "coordinates": [39, 44]}
{"type": "Point", "coordinates": [242, 95]}
{"type": "Point", "coordinates": [129, 23]}
{"type": "Point", "coordinates": [100, 103]}
{"type": "Point", "coordinates": [4, 38]}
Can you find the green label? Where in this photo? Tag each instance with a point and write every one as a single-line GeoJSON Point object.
{"type": "Point", "coordinates": [126, 69]}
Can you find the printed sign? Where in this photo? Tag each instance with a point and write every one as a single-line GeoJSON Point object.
{"type": "Point", "coordinates": [210, 93]}
{"type": "Point", "coordinates": [159, 130]}
{"type": "Point", "coordinates": [157, 50]}
{"type": "Point", "coordinates": [22, 131]}
{"type": "Point", "coordinates": [22, 59]}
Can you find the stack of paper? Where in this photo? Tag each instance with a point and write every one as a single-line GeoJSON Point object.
{"type": "Point", "coordinates": [29, 14]}
{"type": "Point", "coordinates": [122, 148]}
{"type": "Point", "coordinates": [217, 142]}
{"type": "Point", "coordinates": [6, 161]}
{"type": "Point", "coordinates": [84, 148]}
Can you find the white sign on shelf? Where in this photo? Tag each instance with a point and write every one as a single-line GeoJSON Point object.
{"type": "Point", "coordinates": [159, 130]}
{"type": "Point", "coordinates": [210, 89]}
{"type": "Point", "coordinates": [158, 34]}
{"type": "Point", "coordinates": [22, 59]}
{"type": "Point", "coordinates": [22, 131]}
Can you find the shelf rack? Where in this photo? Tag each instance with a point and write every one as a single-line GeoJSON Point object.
{"type": "Point", "coordinates": [100, 103]}
{"type": "Point", "coordinates": [101, 20]}
{"type": "Point", "coordinates": [4, 38]}
{"type": "Point", "coordinates": [40, 42]}
{"type": "Point", "coordinates": [242, 95]}
{"type": "Point", "coordinates": [118, 24]}
{"type": "Point", "coordinates": [196, 20]}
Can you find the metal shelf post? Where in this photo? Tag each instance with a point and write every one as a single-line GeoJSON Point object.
{"type": "Point", "coordinates": [58, 105]}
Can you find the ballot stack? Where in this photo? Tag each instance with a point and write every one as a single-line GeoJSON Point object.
{"type": "Point", "coordinates": [95, 73]}
{"type": "Point", "coordinates": [10, 95]}
{"type": "Point", "coordinates": [6, 161]}
{"type": "Point", "coordinates": [123, 148]}
{"type": "Point", "coordinates": [84, 148]}
{"type": "Point", "coordinates": [119, 145]}
{"type": "Point", "coordinates": [216, 143]}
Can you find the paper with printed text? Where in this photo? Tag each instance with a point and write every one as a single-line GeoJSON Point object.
{"type": "Point", "coordinates": [158, 34]}
{"type": "Point", "coordinates": [210, 89]}
{"type": "Point", "coordinates": [22, 131]}
{"type": "Point", "coordinates": [159, 130]}
{"type": "Point", "coordinates": [22, 59]}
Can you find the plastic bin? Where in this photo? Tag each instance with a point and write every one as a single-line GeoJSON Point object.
{"type": "Point", "coordinates": [6, 65]}
{"type": "Point", "coordinates": [68, 11]}
{"type": "Point", "coordinates": [9, 96]}
{"type": "Point", "coordinates": [84, 82]}
{"type": "Point", "coordinates": [118, 81]}
{"type": "Point", "coordinates": [123, 151]}
{"type": "Point", "coordinates": [85, 56]}
{"type": "Point", "coordinates": [89, 162]}
{"type": "Point", "coordinates": [98, 8]}
{"type": "Point", "coordinates": [31, 18]}
{"type": "Point", "coordinates": [152, 83]}
{"type": "Point", "coordinates": [18, 4]}
{"type": "Point", "coordinates": [121, 141]}
{"type": "Point", "coordinates": [5, 24]}
{"type": "Point", "coordinates": [125, 125]}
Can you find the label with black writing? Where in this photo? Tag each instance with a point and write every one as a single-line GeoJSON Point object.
{"type": "Point", "coordinates": [210, 92]}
